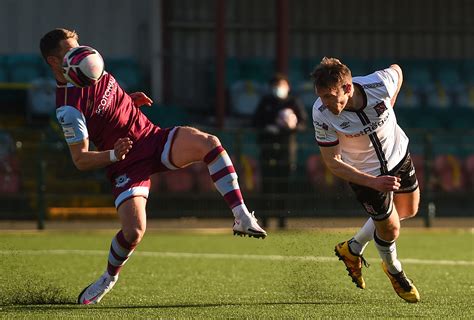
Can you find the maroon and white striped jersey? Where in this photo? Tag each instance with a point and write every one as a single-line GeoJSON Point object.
{"type": "Point", "coordinates": [103, 113]}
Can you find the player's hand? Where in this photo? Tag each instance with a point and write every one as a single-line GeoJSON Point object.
{"type": "Point", "coordinates": [140, 99]}
{"type": "Point", "coordinates": [386, 183]}
{"type": "Point", "coordinates": [287, 119]}
{"type": "Point", "coordinates": [121, 147]}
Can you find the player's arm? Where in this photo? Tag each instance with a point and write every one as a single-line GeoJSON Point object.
{"type": "Point", "coordinates": [397, 68]}
{"type": "Point", "coordinates": [84, 159]}
{"type": "Point", "coordinates": [140, 99]}
{"type": "Point", "coordinates": [76, 134]}
{"type": "Point", "coordinates": [332, 158]}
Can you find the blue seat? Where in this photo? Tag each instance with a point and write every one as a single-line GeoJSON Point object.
{"type": "Point", "coordinates": [297, 71]}
{"type": "Point", "coordinates": [3, 69]}
{"type": "Point", "coordinates": [245, 96]}
{"type": "Point", "coordinates": [444, 144]}
{"type": "Point", "coordinates": [429, 121]}
{"type": "Point", "coordinates": [358, 67]}
{"type": "Point", "coordinates": [467, 67]}
{"type": "Point", "coordinates": [166, 115]}
{"type": "Point", "coordinates": [24, 67]}
{"type": "Point", "coordinates": [258, 69]}
{"type": "Point", "coordinates": [126, 71]}
{"type": "Point", "coordinates": [448, 75]}
{"type": "Point", "coordinates": [381, 63]}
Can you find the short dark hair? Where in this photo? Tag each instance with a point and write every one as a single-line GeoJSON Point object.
{"type": "Point", "coordinates": [49, 43]}
{"type": "Point", "coordinates": [277, 77]}
{"type": "Point", "coordinates": [330, 73]}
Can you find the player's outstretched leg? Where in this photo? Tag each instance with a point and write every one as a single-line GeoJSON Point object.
{"type": "Point", "coordinates": [190, 145]}
{"type": "Point", "coordinates": [224, 176]}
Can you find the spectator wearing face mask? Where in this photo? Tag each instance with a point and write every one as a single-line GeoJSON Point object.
{"type": "Point", "coordinates": [278, 117]}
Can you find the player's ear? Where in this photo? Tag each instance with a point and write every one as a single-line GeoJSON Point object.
{"type": "Point", "coordinates": [347, 88]}
{"type": "Point", "coordinates": [52, 60]}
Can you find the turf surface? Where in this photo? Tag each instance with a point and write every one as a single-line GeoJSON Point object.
{"type": "Point", "coordinates": [291, 275]}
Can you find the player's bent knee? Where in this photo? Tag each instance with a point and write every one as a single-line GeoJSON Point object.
{"type": "Point", "coordinates": [134, 235]}
{"type": "Point", "coordinates": [389, 234]}
{"type": "Point", "coordinates": [389, 231]}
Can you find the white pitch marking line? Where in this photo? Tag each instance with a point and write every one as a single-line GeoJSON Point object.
{"type": "Point", "coordinates": [223, 256]}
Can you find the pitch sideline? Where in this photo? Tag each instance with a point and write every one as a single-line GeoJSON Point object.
{"type": "Point", "coordinates": [224, 256]}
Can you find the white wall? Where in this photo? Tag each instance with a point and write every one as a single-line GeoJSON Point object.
{"type": "Point", "coordinates": [114, 27]}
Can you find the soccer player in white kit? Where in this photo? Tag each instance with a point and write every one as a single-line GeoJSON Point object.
{"type": "Point", "coordinates": [361, 142]}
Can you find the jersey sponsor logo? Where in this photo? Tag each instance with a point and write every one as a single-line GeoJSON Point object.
{"type": "Point", "coordinates": [107, 97]}
{"type": "Point", "coordinates": [345, 125]}
{"type": "Point", "coordinates": [380, 108]}
{"type": "Point", "coordinates": [321, 130]}
{"type": "Point", "coordinates": [369, 209]}
{"type": "Point", "coordinates": [373, 85]}
{"type": "Point", "coordinates": [69, 132]}
{"type": "Point", "coordinates": [121, 181]}
{"type": "Point", "coordinates": [370, 128]}
{"type": "Point", "coordinates": [321, 135]}
{"type": "Point", "coordinates": [321, 125]}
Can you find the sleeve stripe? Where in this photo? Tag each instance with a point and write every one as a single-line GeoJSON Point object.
{"type": "Point", "coordinates": [328, 144]}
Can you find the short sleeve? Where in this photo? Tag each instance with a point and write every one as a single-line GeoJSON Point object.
{"type": "Point", "coordinates": [390, 79]}
{"type": "Point", "coordinates": [325, 134]}
{"type": "Point", "coordinates": [73, 123]}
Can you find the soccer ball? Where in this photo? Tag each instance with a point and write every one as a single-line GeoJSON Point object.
{"type": "Point", "coordinates": [83, 66]}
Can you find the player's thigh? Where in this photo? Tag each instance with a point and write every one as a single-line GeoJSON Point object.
{"type": "Point", "coordinates": [191, 145]}
{"type": "Point", "coordinates": [407, 203]}
{"type": "Point", "coordinates": [132, 214]}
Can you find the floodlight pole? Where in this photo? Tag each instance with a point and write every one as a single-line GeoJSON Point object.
{"type": "Point", "coordinates": [220, 63]}
{"type": "Point", "coordinates": [282, 37]}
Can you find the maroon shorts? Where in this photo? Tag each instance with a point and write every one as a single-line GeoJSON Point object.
{"type": "Point", "coordinates": [131, 177]}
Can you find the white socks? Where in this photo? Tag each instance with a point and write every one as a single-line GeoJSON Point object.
{"type": "Point", "coordinates": [358, 243]}
{"type": "Point", "coordinates": [388, 252]}
{"type": "Point", "coordinates": [240, 210]}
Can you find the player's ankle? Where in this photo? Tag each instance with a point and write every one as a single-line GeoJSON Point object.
{"type": "Point", "coordinates": [240, 210]}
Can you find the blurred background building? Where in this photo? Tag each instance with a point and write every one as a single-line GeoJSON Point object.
{"type": "Point", "coordinates": [207, 63]}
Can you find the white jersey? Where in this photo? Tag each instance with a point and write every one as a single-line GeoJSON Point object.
{"type": "Point", "coordinates": [370, 138]}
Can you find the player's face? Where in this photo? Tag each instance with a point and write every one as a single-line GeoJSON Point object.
{"type": "Point", "coordinates": [335, 99]}
{"type": "Point", "coordinates": [56, 61]}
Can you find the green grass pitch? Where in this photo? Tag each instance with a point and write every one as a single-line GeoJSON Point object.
{"type": "Point", "coordinates": [289, 275]}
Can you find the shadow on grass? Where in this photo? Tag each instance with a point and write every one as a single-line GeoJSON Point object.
{"type": "Point", "coordinates": [68, 305]}
{"type": "Point", "coordinates": [34, 295]}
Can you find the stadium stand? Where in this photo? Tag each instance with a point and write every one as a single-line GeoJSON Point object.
{"type": "Point", "coordinates": [24, 68]}
{"type": "Point", "coordinates": [127, 72]}
{"type": "Point", "coordinates": [245, 96]}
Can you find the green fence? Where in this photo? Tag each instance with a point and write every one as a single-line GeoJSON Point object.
{"type": "Point", "coordinates": [48, 179]}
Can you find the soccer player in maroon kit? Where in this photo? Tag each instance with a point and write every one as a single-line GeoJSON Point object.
{"type": "Point", "coordinates": [132, 148]}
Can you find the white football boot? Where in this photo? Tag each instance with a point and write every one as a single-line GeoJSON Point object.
{"type": "Point", "coordinates": [97, 290]}
{"type": "Point", "coordinates": [246, 224]}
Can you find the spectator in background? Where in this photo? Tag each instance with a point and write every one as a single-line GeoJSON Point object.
{"type": "Point", "coordinates": [277, 118]}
